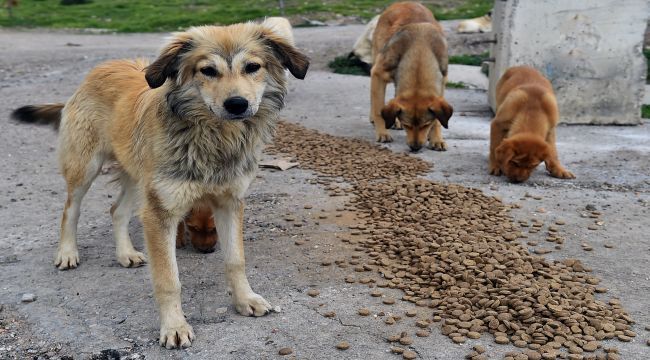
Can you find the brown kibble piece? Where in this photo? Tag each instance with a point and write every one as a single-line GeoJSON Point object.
{"type": "Point", "coordinates": [313, 292]}
{"type": "Point", "coordinates": [422, 333]}
{"type": "Point", "coordinates": [343, 345]}
{"type": "Point", "coordinates": [396, 350]}
{"type": "Point", "coordinates": [389, 301]}
{"type": "Point", "coordinates": [409, 355]}
{"type": "Point", "coordinates": [459, 339]}
{"type": "Point", "coordinates": [394, 338]}
{"type": "Point", "coordinates": [501, 340]}
{"type": "Point", "coordinates": [422, 324]}
{"type": "Point", "coordinates": [411, 312]}
{"type": "Point", "coordinates": [406, 340]}
{"type": "Point", "coordinates": [285, 351]}
{"type": "Point", "coordinates": [363, 312]}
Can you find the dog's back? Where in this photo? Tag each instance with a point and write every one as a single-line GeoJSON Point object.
{"type": "Point", "coordinates": [395, 17]}
{"type": "Point", "coordinates": [526, 92]}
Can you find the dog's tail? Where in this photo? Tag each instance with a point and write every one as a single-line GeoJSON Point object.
{"type": "Point", "coordinates": [48, 114]}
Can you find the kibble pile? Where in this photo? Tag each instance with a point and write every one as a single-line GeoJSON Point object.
{"type": "Point", "coordinates": [455, 250]}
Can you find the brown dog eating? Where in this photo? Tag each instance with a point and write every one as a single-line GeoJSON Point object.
{"type": "Point", "coordinates": [409, 48]}
{"type": "Point", "coordinates": [199, 223]}
{"type": "Point", "coordinates": [522, 134]}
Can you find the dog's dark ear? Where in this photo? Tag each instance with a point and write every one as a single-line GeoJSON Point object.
{"type": "Point", "coordinates": [442, 111]}
{"type": "Point", "coordinates": [166, 65]}
{"type": "Point", "coordinates": [291, 58]}
{"type": "Point", "coordinates": [390, 112]}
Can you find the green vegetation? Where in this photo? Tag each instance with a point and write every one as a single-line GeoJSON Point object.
{"type": "Point", "coordinates": [456, 85]}
{"type": "Point", "coordinates": [474, 60]}
{"type": "Point", "coordinates": [645, 111]}
{"type": "Point", "coordinates": [171, 15]}
{"type": "Point", "coordinates": [348, 66]}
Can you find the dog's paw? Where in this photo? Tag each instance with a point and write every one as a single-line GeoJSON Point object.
{"type": "Point", "coordinates": [252, 304]}
{"type": "Point", "coordinates": [438, 145]}
{"type": "Point", "coordinates": [563, 174]}
{"type": "Point", "coordinates": [131, 259]}
{"type": "Point", "coordinates": [384, 137]}
{"type": "Point", "coordinates": [495, 171]}
{"type": "Point", "coordinates": [66, 259]}
{"type": "Point", "coordinates": [179, 335]}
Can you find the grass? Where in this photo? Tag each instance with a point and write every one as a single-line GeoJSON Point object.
{"type": "Point", "coordinates": [474, 60]}
{"type": "Point", "coordinates": [171, 15]}
{"type": "Point", "coordinates": [645, 111]}
{"type": "Point", "coordinates": [456, 85]}
{"type": "Point", "coordinates": [348, 66]}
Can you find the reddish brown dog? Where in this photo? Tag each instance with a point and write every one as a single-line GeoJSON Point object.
{"type": "Point", "coordinates": [199, 223]}
{"type": "Point", "coordinates": [523, 130]}
{"type": "Point", "coordinates": [409, 48]}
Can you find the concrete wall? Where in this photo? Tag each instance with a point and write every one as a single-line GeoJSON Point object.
{"type": "Point", "coordinates": [591, 50]}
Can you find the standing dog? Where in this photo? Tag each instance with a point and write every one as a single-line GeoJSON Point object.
{"type": "Point", "coordinates": [185, 130]}
{"type": "Point", "coordinates": [522, 134]}
{"type": "Point", "coordinates": [409, 48]}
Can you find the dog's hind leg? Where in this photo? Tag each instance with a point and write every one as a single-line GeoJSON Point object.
{"type": "Point", "coordinates": [122, 212]}
{"type": "Point", "coordinates": [79, 176]}
{"type": "Point", "coordinates": [229, 218]}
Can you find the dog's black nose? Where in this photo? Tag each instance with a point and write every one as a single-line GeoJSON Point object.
{"type": "Point", "coordinates": [236, 105]}
{"type": "Point", "coordinates": [415, 147]}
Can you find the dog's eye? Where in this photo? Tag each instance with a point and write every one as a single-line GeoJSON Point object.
{"type": "Point", "coordinates": [209, 71]}
{"type": "Point", "coordinates": [252, 67]}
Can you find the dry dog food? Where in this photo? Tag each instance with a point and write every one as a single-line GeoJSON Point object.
{"type": "Point", "coordinates": [455, 250]}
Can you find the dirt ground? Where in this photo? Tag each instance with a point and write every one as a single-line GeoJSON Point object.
{"type": "Point", "coordinates": [103, 311]}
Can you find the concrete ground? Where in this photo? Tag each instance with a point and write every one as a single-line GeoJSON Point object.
{"type": "Point", "coordinates": [101, 309]}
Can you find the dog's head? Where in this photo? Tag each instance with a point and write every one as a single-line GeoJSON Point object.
{"type": "Point", "coordinates": [417, 116]}
{"type": "Point", "coordinates": [232, 69]}
{"type": "Point", "coordinates": [519, 155]}
{"type": "Point", "coordinates": [202, 230]}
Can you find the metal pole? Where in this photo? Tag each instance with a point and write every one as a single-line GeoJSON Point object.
{"type": "Point", "coordinates": [281, 7]}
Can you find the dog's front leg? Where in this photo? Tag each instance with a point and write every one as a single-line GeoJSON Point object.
{"type": "Point", "coordinates": [553, 162]}
{"type": "Point", "coordinates": [498, 132]}
{"type": "Point", "coordinates": [377, 97]}
{"type": "Point", "coordinates": [436, 142]}
{"type": "Point", "coordinates": [159, 233]}
{"type": "Point", "coordinates": [229, 216]}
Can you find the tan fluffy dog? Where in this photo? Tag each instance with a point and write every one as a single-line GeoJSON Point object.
{"type": "Point", "coordinates": [185, 130]}
{"type": "Point", "coordinates": [522, 134]}
{"type": "Point", "coordinates": [410, 49]}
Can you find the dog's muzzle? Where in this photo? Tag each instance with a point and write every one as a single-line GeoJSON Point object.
{"type": "Point", "coordinates": [236, 105]}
